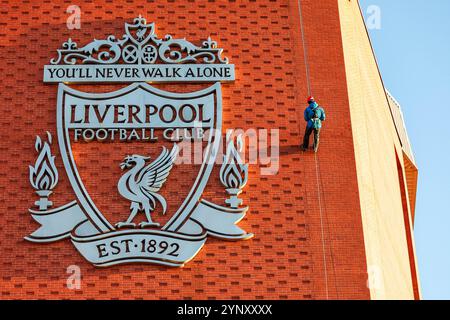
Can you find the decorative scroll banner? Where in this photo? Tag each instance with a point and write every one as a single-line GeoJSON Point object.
{"type": "Point", "coordinates": [139, 55]}
{"type": "Point", "coordinates": [56, 224]}
{"type": "Point", "coordinates": [143, 246]}
{"type": "Point", "coordinates": [134, 245]}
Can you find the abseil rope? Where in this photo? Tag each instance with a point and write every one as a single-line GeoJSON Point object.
{"type": "Point", "coordinates": [319, 194]}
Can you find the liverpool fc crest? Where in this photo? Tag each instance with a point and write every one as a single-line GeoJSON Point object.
{"type": "Point", "coordinates": [136, 198]}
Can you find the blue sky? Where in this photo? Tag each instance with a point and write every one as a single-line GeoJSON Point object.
{"type": "Point", "coordinates": [413, 51]}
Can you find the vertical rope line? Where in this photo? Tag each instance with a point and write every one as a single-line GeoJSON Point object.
{"type": "Point", "coordinates": [321, 227]}
{"type": "Point", "coordinates": [308, 82]}
{"type": "Point", "coordinates": [305, 50]}
{"type": "Point", "coordinates": [328, 232]}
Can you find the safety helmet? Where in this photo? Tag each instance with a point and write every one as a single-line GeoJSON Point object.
{"type": "Point", "coordinates": [311, 99]}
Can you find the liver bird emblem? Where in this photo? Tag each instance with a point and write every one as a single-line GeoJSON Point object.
{"type": "Point", "coordinates": [140, 33]}
{"type": "Point", "coordinates": [142, 183]}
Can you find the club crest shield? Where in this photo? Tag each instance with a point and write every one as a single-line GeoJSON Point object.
{"type": "Point", "coordinates": [142, 206]}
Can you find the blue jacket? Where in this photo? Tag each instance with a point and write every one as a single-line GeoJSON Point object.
{"type": "Point", "coordinates": [309, 113]}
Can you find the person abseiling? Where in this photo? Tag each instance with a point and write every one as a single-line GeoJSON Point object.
{"type": "Point", "coordinates": [314, 115]}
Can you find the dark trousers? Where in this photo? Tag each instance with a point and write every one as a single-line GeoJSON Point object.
{"type": "Point", "coordinates": [308, 132]}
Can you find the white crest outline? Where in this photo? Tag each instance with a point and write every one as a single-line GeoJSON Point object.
{"type": "Point", "coordinates": [180, 217]}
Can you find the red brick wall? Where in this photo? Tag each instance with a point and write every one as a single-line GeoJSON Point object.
{"type": "Point", "coordinates": [287, 257]}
